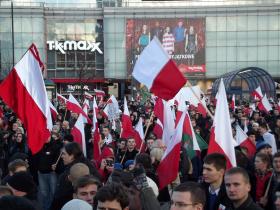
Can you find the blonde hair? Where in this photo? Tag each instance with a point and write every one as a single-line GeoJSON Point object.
{"type": "Point", "coordinates": [157, 153]}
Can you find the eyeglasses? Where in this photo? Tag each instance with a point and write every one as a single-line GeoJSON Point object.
{"type": "Point", "coordinates": [181, 204]}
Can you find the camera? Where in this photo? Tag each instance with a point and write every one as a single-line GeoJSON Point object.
{"type": "Point", "coordinates": [109, 162]}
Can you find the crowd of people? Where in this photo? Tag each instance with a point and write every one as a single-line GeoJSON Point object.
{"type": "Point", "coordinates": [61, 176]}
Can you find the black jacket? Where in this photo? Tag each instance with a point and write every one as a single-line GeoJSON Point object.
{"type": "Point", "coordinates": [247, 205]}
{"type": "Point", "coordinates": [221, 199]}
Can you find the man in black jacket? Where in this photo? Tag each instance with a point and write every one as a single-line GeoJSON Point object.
{"type": "Point", "coordinates": [238, 186]}
{"type": "Point", "coordinates": [213, 174]}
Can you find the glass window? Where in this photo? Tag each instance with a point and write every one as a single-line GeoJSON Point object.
{"type": "Point", "coordinates": [242, 54]}
{"type": "Point", "coordinates": [273, 38]}
{"type": "Point", "coordinates": [221, 54]}
{"type": "Point", "coordinates": [241, 38]}
{"type": "Point", "coordinates": [252, 38]}
{"type": "Point", "coordinates": [231, 38]}
{"type": "Point", "coordinates": [211, 38]}
{"type": "Point", "coordinates": [17, 25]}
{"type": "Point", "coordinates": [5, 24]}
{"type": "Point", "coordinates": [241, 23]}
{"type": "Point", "coordinates": [89, 28]}
{"type": "Point", "coordinates": [51, 59]}
{"type": "Point", "coordinates": [211, 54]}
{"type": "Point", "coordinates": [231, 53]}
{"type": "Point", "coordinates": [60, 28]}
{"type": "Point", "coordinates": [26, 40]}
{"type": "Point", "coordinates": [18, 54]}
{"type": "Point", "coordinates": [221, 38]}
{"type": "Point", "coordinates": [252, 53]}
{"type": "Point", "coordinates": [262, 22]}
{"type": "Point", "coordinates": [70, 28]}
{"type": "Point", "coordinates": [81, 56]}
{"type": "Point", "coordinates": [18, 40]}
{"type": "Point", "coordinates": [252, 23]}
{"type": "Point", "coordinates": [231, 23]}
{"type": "Point", "coordinates": [221, 23]}
{"type": "Point", "coordinates": [273, 53]}
{"type": "Point", "coordinates": [262, 38]}
{"type": "Point", "coordinates": [262, 53]}
{"type": "Point", "coordinates": [60, 59]}
{"type": "Point", "coordinates": [26, 24]}
{"type": "Point", "coordinates": [70, 59]}
{"type": "Point", "coordinates": [38, 39]}
{"type": "Point", "coordinates": [221, 68]}
{"type": "Point", "coordinates": [38, 25]}
{"type": "Point", "coordinates": [273, 23]}
{"type": "Point", "coordinates": [211, 24]}
{"type": "Point", "coordinates": [80, 28]}
{"type": "Point", "coordinates": [273, 67]}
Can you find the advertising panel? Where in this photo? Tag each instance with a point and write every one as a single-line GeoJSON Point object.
{"type": "Point", "coordinates": [183, 39]}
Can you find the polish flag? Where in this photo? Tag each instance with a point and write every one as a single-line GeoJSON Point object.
{"type": "Point", "coordinates": [73, 105]}
{"type": "Point", "coordinates": [168, 124]}
{"type": "Point", "coordinates": [54, 112]}
{"type": "Point", "coordinates": [257, 93]}
{"type": "Point", "coordinates": [24, 91]}
{"type": "Point", "coordinates": [139, 136]}
{"type": "Point", "coordinates": [158, 72]}
{"type": "Point", "coordinates": [221, 138]}
{"type": "Point", "coordinates": [264, 105]}
{"type": "Point", "coordinates": [85, 105]}
{"type": "Point", "coordinates": [61, 98]}
{"type": "Point", "coordinates": [243, 141]}
{"type": "Point", "coordinates": [232, 105]}
{"type": "Point", "coordinates": [158, 111]}
{"type": "Point", "coordinates": [169, 164]}
{"type": "Point", "coordinates": [158, 129]}
{"type": "Point", "coordinates": [96, 134]}
{"type": "Point", "coordinates": [127, 128]}
{"type": "Point", "coordinates": [88, 95]}
{"type": "Point", "coordinates": [78, 132]}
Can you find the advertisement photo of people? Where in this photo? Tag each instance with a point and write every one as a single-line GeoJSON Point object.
{"type": "Point", "coordinates": [182, 38]}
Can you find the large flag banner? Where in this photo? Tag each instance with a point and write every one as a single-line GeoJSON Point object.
{"type": "Point", "coordinates": [182, 38]}
{"type": "Point", "coordinates": [221, 138]}
{"type": "Point", "coordinates": [24, 91]}
{"type": "Point", "coordinates": [156, 70]}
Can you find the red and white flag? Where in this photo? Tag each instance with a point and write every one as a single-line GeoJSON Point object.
{"type": "Point", "coordinates": [232, 105]}
{"type": "Point", "coordinates": [96, 134]}
{"type": "Point", "coordinates": [127, 128]}
{"type": "Point", "coordinates": [78, 132]}
{"type": "Point", "coordinates": [85, 105]}
{"type": "Point", "coordinates": [139, 136]}
{"type": "Point", "coordinates": [257, 93]}
{"type": "Point", "coordinates": [158, 111]}
{"type": "Point", "coordinates": [73, 105]}
{"type": "Point", "coordinates": [99, 93]}
{"type": "Point", "coordinates": [243, 141]}
{"type": "Point", "coordinates": [24, 91]}
{"type": "Point", "coordinates": [54, 112]}
{"type": "Point", "coordinates": [168, 123]}
{"type": "Point", "coordinates": [221, 138]}
{"type": "Point", "coordinates": [61, 98]}
{"type": "Point", "coordinates": [88, 95]}
{"type": "Point", "coordinates": [264, 105]}
{"type": "Point", "coordinates": [156, 70]}
{"type": "Point", "coordinates": [169, 164]}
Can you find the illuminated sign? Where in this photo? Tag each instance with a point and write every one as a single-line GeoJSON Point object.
{"type": "Point", "coordinates": [74, 45]}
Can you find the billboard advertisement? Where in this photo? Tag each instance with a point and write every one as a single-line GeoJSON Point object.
{"type": "Point", "coordinates": [183, 39]}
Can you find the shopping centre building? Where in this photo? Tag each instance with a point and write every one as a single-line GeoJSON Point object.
{"type": "Point", "coordinates": [95, 44]}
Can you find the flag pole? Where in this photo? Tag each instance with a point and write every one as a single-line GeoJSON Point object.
{"type": "Point", "coordinates": [208, 111]}
{"type": "Point", "coordinates": [146, 131]}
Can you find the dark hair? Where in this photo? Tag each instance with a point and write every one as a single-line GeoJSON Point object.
{"type": "Point", "coordinates": [73, 148]}
{"type": "Point", "coordinates": [144, 159]}
{"type": "Point", "coordinates": [265, 158]}
{"type": "Point", "coordinates": [68, 137]}
{"type": "Point", "coordinates": [11, 202]}
{"type": "Point", "coordinates": [113, 191]}
{"type": "Point", "coordinates": [218, 160]}
{"type": "Point", "coordinates": [249, 133]}
{"type": "Point", "coordinates": [238, 170]}
{"type": "Point", "coordinates": [263, 125]}
{"type": "Point", "coordinates": [197, 193]}
{"type": "Point", "coordinates": [276, 155]}
{"type": "Point", "coordinates": [13, 165]}
{"type": "Point", "coordinates": [84, 181]}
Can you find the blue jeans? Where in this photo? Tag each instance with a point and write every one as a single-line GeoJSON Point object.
{"type": "Point", "coordinates": [47, 185]}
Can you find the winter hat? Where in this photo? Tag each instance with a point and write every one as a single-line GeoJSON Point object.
{"type": "Point", "coordinates": [128, 163]}
{"type": "Point", "coordinates": [22, 181]}
{"type": "Point", "coordinates": [77, 204]}
{"type": "Point", "coordinates": [118, 166]}
{"type": "Point", "coordinates": [107, 152]}
{"type": "Point", "coordinates": [262, 144]}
